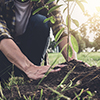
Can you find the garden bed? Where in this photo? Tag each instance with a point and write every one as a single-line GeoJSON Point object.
{"type": "Point", "coordinates": [86, 78]}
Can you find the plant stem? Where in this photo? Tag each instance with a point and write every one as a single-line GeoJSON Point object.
{"type": "Point", "coordinates": [68, 32]}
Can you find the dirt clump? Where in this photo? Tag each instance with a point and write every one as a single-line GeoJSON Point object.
{"type": "Point", "coordinates": [87, 79]}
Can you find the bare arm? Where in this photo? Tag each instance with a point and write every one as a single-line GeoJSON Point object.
{"type": "Point", "coordinates": [64, 52]}
{"type": "Point", "coordinates": [15, 56]}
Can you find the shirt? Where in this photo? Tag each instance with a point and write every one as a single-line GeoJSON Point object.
{"type": "Point", "coordinates": [22, 14]}
{"type": "Point", "coordinates": [8, 19]}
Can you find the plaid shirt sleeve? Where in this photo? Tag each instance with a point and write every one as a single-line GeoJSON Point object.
{"type": "Point", "coordinates": [4, 31]}
{"type": "Point", "coordinates": [59, 24]}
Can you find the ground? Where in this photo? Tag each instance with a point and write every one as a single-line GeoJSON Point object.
{"type": "Point", "coordinates": [78, 73]}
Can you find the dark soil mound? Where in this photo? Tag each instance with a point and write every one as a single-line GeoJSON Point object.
{"type": "Point", "coordinates": [88, 77]}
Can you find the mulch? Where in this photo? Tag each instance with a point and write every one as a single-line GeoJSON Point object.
{"type": "Point", "coordinates": [87, 79]}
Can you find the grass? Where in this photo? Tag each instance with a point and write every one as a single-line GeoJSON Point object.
{"type": "Point", "coordinates": [92, 58]}
{"type": "Point", "coordinates": [53, 56]}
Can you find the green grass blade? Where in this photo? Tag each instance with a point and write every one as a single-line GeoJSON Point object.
{"type": "Point", "coordinates": [24, 97]}
{"type": "Point", "coordinates": [59, 34]}
{"type": "Point", "coordinates": [37, 10]}
{"type": "Point", "coordinates": [53, 8]}
{"type": "Point", "coordinates": [41, 94]}
{"type": "Point", "coordinates": [58, 93]}
{"type": "Point", "coordinates": [65, 78]}
{"type": "Point", "coordinates": [50, 1]}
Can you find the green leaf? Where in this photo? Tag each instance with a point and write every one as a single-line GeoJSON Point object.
{"type": "Point", "coordinates": [74, 43]}
{"type": "Point", "coordinates": [58, 34]}
{"type": "Point", "coordinates": [81, 92]}
{"type": "Point", "coordinates": [49, 1]}
{"type": "Point", "coordinates": [70, 52]}
{"type": "Point", "coordinates": [75, 22]}
{"type": "Point", "coordinates": [39, 1]}
{"type": "Point", "coordinates": [57, 1]}
{"type": "Point", "coordinates": [80, 5]}
{"type": "Point", "coordinates": [77, 96]}
{"type": "Point", "coordinates": [71, 83]}
{"type": "Point", "coordinates": [41, 94]}
{"type": "Point", "coordinates": [65, 78]}
{"type": "Point", "coordinates": [46, 6]}
{"type": "Point", "coordinates": [37, 10]}
{"type": "Point", "coordinates": [53, 8]}
{"type": "Point", "coordinates": [65, 9]}
{"type": "Point", "coordinates": [89, 93]}
{"type": "Point", "coordinates": [46, 20]}
{"type": "Point", "coordinates": [52, 19]}
{"type": "Point", "coordinates": [24, 97]}
{"type": "Point", "coordinates": [29, 98]}
{"type": "Point", "coordinates": [58, 93]}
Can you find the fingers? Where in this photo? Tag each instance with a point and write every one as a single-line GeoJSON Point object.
{"type": "Point", "coordinates": [37, 76]}
{"type": "Point", "coordinates": [39, 72]}
{"type": "Point", "coordinates": [79, 60]}
{"type": "Point", "coordinates": [85, 63]}
{"type": "Point", "coordinates": [44, 69]}
{"type": "Point", "coordinates": [55, 70]}
{"type": "Point", "coordinates": [40, 76]}
{"type": "Point", "coordinates": [61, 65]}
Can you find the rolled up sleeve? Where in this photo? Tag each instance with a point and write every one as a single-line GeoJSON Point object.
{"type": "Point", "coordinates": [4, 31]}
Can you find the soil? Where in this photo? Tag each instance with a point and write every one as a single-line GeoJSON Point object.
{"type": "Point", "coordinates": [87, 79]}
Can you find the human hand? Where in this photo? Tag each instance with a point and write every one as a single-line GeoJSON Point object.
{"type": "Point", "coordinates": [37, 72]}
{"type": "Point", "coordinates": [85, 63]}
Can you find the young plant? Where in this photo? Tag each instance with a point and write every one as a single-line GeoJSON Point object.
{"type": "Point", "coordinates": [73, 40]}
{"type": "Point", "coordinates": [59, 94]}
{"type": "Point", "coordinates": [90, 95]}
{"type": "Point", "coordinates": [78, 96]}
{"type": "Point", "coordinates": [33, 98]}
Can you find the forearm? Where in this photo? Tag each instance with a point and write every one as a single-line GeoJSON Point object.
{"type": "Point", "coordinates": [14, 54]}
{"type": "Point", "coordinates": [64, 52]}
